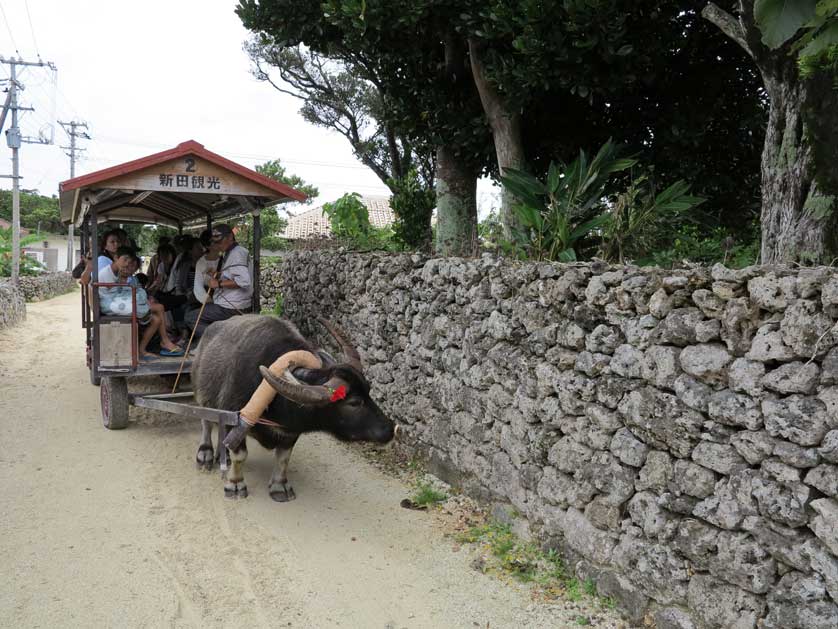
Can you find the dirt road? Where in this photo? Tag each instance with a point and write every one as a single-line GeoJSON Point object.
{"type": "Point", "coordinates": [118, 529]}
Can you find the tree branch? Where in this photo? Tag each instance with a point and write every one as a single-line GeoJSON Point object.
{"type": "Point", "coordinates": [728, 24]}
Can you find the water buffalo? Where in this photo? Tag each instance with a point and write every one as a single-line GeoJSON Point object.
{"type": "Point", "coordinates": [226, 372]}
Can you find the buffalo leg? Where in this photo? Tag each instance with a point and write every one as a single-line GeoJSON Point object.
{"type": "Point", "coordinates": [204, 457]}
{"type": "Point", "coordinates": [279, 488]}
{"type": "Point", "coordinates": [234, 485]}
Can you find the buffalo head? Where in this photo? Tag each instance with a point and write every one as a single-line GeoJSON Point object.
{"type": "Point", "coordinates": [337, 393]}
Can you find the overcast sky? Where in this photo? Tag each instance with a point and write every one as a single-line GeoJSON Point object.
{"type": "Point", "coordinates": [148, 75]}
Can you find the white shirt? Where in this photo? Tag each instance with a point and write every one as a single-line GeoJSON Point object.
{"type": "Point", "coordinates": [203, 274]}
{"type": "Point", "coordinates": [102, 261]}
{"type": "Point", "coordinates": [236, 267]}
{"type": "Point", "coordinates": [107, 276]}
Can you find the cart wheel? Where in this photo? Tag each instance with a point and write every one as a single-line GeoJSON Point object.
{"type": "Point", "coordinates": [113, 394]}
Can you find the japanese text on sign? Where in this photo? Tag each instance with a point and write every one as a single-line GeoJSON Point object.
{"type": "Point", "coordinates": [194, 182]}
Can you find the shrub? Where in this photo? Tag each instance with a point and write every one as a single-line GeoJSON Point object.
{"type": "Point", "coordinates": [561, 213]}
{"type": "Point", "coordinates": [28, 265]}
{"type": "Point", "coordinates": [413, 205]}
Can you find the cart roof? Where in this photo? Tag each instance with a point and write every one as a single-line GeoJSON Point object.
{"type": "Point", "coordinates": [179, 186]}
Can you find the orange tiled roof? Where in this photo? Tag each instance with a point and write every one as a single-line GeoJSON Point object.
{"type": "Point", "coordinates": [314, 223]}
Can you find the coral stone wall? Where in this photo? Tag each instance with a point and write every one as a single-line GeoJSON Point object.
{"type": "Point", "coordinates": [12, 305]}
{"type": "Point", "coordinates": [46, 286]}
{"type": "Point", "coordinates": [674, 433]}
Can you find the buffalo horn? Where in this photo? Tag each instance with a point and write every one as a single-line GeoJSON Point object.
{"type": "Point", "coordinates": [305, 394]}
{"type": "Point", "coordinates": [349, 352]}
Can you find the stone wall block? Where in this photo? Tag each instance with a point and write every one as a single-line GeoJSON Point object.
{"type": "Point", "coordinates": [795, 377]}
{"type": "Point", "coordinates": [707, 363]}
{"type": "Point", "coordinates": [800, 601]}
{"type": "Point", "coordinates": [745, 376]}
{"type": "Point", "coordinates": [829, 447]}
{"type": "Point", "coordinates": [627, 362]}
{"type": "Point", "coordinates": [628, 448]}
{"type": "Point", "coordinates": [825, 523]}
{"type": "Point", "coordinates": [678, 328]}
{"type": "Point", "coordinates": [660, 366]}
{"type": "Point", "coordinates": [741, 561]}
{"type": "Point", "coordinates": [655, 567]}
{"type": "Point", "coordinates": [721, 606]}
{"type": "Point", "coordinates": [800, 419]}
{"type": "Point", "coordinates": [824, 478]}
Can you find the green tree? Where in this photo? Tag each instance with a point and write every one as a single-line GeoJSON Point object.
{"type": "Point", "coordinates": [799, 181]}
{"type": "Point", "coordinates": [418, 64]}
{"type": "Point", "coordinates": [36, 211]}
{"type": "Point", "coordinates": [336, 96]}
{"type": "Point", "coordinates": [276, 171]}
{"type": "Point", "coordinates": [491, 84]}
{"type": "Point", "coordinates": [271, 223]}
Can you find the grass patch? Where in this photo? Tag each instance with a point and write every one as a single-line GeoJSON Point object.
{"type": "Point", "coordinates": [505, 554]}
{"type": "Point", "coordinates": [425, 495]}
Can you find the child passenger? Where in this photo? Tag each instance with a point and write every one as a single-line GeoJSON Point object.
{"type": "Point", "coordinates": [149, 316]}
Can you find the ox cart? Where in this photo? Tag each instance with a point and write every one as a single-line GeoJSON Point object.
{"type": "Point", "coordinates": [187, 187]}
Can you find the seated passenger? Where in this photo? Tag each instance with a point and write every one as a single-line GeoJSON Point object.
{"type": "Point", "coordinates": [118, 301]}
{"type": "Point", "coordinates": [107, 250]}
{"type": "Point", "coordinates": [233, 286]}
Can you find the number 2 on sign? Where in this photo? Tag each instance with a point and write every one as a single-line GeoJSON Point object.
{"type": "Point", "coordinates": [190, 165]}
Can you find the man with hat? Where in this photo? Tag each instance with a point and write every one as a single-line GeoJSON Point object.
{"type": "Point", "coordinates": [232, 284]}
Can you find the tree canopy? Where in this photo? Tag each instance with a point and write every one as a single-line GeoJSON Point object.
{"type": "Point", "coordinates": [36, 211]}
{"type": "Point", "coordinates": [496, 84]}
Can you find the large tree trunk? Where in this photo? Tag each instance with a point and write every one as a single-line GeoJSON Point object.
{"type": "Point", "coordinates": [456, 205]}
{"type": "Point", "coordinates": [506, 132]}
{"type": "Point", "coordinates": [456, 180]}
{"type": "Point", "coordinates": [798, 221]}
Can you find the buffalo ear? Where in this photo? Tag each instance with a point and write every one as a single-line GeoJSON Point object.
{"type": "Point", "coordinates": [311, 376]}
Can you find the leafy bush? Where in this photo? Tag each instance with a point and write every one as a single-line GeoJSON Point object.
{"type": "Point", "coordinates": [640, 218]}
{"type": "Point", "coordinates": [349, 216]}
{"type": "Point", "coordinates": [561, 214]}
{"type": "Point", "coordinates": [580, 211]}
{"type": "Point", "coordinates": [279, 305]}
{"type": "Point", "coordinates": [692, 244]}
{"type": "Point", "coordinates": [413, 205]}
{"type": "Point", "coordinates": [351, 226]}
{"type": "Point", "coordinates": [490, 232]}
{"type": "Point", "coordinates": [28, 265]}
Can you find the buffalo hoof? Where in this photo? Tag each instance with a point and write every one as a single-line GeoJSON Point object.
{"type": "Point", "coordinates": [204, 459]}
{"type": "Point", "coordinates": [235, 490]}
{"type": "Point", "coordinates": [282, 492]}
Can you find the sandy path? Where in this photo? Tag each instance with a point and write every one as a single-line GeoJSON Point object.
{"type": "Point", "coordinates": [118, 529]}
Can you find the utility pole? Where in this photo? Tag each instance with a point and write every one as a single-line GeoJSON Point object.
{"type": "Point", "coordinates": [14, 140]}
{"type": "Point", "coordinates": [73, 133]}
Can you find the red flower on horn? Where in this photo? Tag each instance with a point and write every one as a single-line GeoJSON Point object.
{"type": "Point", "coordinates": [338, 394]}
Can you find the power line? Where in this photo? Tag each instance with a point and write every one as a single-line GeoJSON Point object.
{"type": "Point", "coordinates": [9, 28]}
{"type": "Point", "coordinates": [32, 29]}
{"type": "Point", "coordinates": [300, 162]}
{"type": "Point", "coordinates": [75, 133]}
{"type": "Point", "coordinates": [15, 140]}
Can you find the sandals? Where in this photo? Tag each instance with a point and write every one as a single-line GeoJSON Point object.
{"type": "Point", "coordinates": [171, 352]}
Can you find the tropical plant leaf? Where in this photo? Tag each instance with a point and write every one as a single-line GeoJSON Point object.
{"type": "Point", "coordinates": [779, 20]}
{"type": "Point", "coordinates": [568, 255]}
{"type": "Point", "coordinates": [524, 187]}
{"type": "Point", "coordinates": [821, 40]}
{"type": "Point", "coordinates": [587, 227]}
